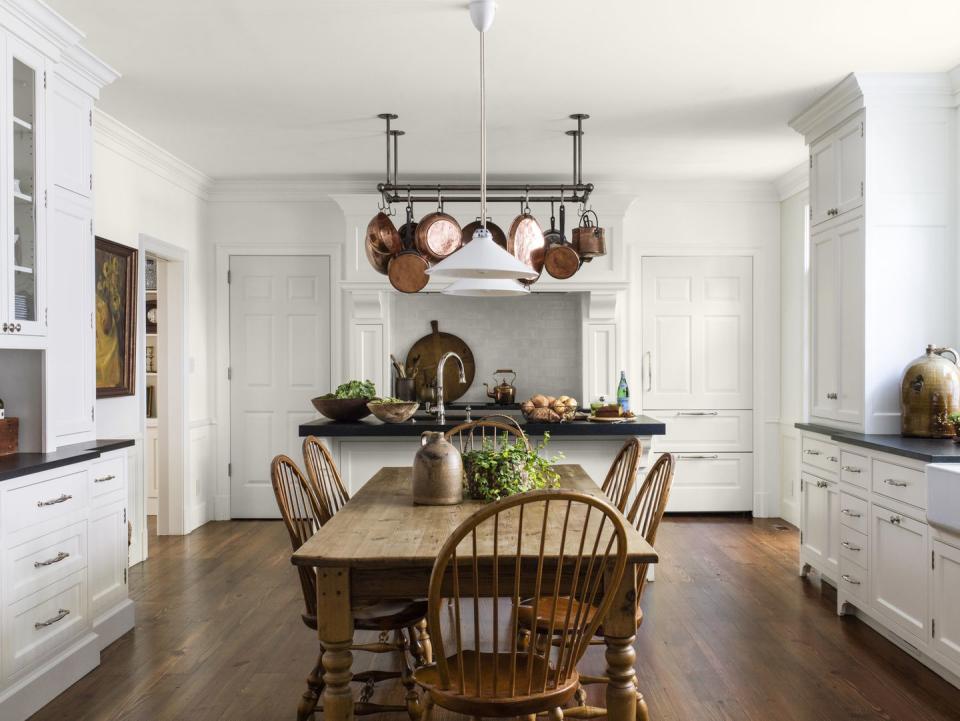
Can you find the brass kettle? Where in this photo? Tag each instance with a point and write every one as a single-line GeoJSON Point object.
{"type": "Point", "coordinates": [929, 393]}
{"type": "Point", "coordinates": [503, 393]}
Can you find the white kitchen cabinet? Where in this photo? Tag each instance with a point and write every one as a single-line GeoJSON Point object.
{"type": "Point", "coordinates": [70, 145]}
{"type": "Point", "coordinates": [945, 602]}
{"type": "Point", "coordinates": [819, 525]}
{"type": "Point", "coordinates": [24, 195]}
{"type": "Point", "coordinates": [837, 171]}
{"type": "Point", "coordinates": [899, 573]}
{"type": "Point", "coordinates": [108, 556]}
{"type": "Point", "coordinates": [837, 342]}
{"type": "Point", "coordinates": [711, 482]}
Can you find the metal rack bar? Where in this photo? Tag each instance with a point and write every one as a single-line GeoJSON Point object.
{"type": "Point", "coordinates": [451, 199]}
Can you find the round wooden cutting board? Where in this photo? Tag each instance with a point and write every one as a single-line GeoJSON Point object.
{"type": "Point", "coordinates": [426, 352]}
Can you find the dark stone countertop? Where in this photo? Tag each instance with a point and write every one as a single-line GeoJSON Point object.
{"type": "Point", "coordinates": [928, 450]}
{"type": "Point", "coordinates": [15, 465]}
{"type": "Point", "coordinates": [372, 428]}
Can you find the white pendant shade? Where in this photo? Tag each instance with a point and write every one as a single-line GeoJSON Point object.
{"type": "Point", "coordinates": [482, 258]}
{"type": "Point", "coordinates": [486, 288]}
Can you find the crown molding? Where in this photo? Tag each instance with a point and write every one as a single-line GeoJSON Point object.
{"type": "Point", "coordinates": [37, 23]}
{"type": "Point", "coordinates": [111, 133]}
{"type": "Point", "coordinates": [796, 180]}
{"type": "Point", "coordinates": [86, 70]}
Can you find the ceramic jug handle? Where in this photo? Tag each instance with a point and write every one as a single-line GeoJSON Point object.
{"type": "Point", "coordinates": [951, 351]}
{"type": "Point", "coordinates": [423, 438]}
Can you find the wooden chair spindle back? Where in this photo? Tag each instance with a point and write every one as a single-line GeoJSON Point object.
{"type": "Point", "coordinates": [325, 478]}
{"type": "Point", "coordinates": [648, 509]}
{"type": "Point", "coordinates": [623, 474]}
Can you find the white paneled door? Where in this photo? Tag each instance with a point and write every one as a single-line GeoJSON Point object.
{"type": "Point", "coordinates": [280, 316]}
{"type": "Point", "coordinates": [697, 333]}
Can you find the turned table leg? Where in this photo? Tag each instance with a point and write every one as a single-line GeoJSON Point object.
{"type": "Point", "coordinates": [335, 628]}
{"type": "Point", "coordinates": [424, 633]}
{"type": "Point", "coordinates": [620, 628]}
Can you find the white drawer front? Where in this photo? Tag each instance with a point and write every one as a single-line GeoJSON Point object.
{"type": "Point", "coordinates": [108, 475]}
{"type": "Point", "coordinates": [855, 469]}
{"type": "Point", "coordinates": [705, 482]}
{"type": "Point", "coordinates": [899, 482]}
{"type": "Point", "coordinates": [854, 580]}
{"type": "Point", "coordinates": [706, 430]}
{"type": "Point", "coordinates": [44, 500]}
{"type": "Point", "coordinates": [854, 546]}
{"type": "Point", "coordinates": [36, 564]}
{"type": "Point", "coordinates": [821, 454]}
{"type": "Point", "coordinates": [854, 513]}
{"type": "Point", "coordinates": [37, 625]}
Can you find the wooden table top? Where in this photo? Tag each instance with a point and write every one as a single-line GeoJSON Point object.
{"type": "Point", "coordinates": [380, 527]}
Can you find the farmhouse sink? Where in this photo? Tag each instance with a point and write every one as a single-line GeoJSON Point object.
{"type": "Point", "coordinates": [943, 496]}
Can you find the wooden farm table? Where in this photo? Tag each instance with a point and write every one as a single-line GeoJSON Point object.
{"type": "Point", "coordinates": [380, 545]}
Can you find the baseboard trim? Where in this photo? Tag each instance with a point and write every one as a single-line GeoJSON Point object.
{"type": "Point", "coordinates": [44, 684]}
{"type": "Point", "coordinates": [114, 623]}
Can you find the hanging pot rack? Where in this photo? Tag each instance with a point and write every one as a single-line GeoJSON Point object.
{"type": "Point", "coordinates": [392, 191]}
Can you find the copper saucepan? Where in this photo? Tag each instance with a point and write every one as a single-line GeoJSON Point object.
{"type": "Point", "coordinates": [438, 234]}
{"type": "Point", "coordinates": [382, 243]}
{"type": "Point", "coordinates": [526, 242]}
{"type": "Point", "coordinates": [499, 237]}
{"type": "Point", "coordinates": [408, 269]}
{"type": "Point", "coordinates": [561, 260]}
{"type": "Point", "coordinates": [588, 238]}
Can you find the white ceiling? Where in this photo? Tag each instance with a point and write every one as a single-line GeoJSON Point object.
{"type": "Point", "coordinates": [677, 88]}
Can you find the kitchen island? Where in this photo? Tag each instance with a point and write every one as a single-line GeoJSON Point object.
{"type": "Point", "coordinates": [361, 448]}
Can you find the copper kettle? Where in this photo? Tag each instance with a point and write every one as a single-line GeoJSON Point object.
{"type": "Point", "coordinates": [503, 393]}
{"type": "Point", "coordinates": [929, 394]}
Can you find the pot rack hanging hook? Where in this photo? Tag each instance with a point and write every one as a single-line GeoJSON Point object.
{"type": "Point", "coordinates": [439, 199]}
{"type": "Point", "coordinates": [526, 202]}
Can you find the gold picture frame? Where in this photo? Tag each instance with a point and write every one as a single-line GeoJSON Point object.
{"type": "Point", "coordinates": [115, 318]}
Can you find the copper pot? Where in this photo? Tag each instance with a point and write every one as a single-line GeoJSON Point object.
{"type": "Point", "coordinates": [382, 243]}
{"type": "Point", "coordinates": [526, 243]}
{"type": "Point", "coordinates": [929, 394]}
{"type": "Point", "coordinates": [499, 237]}
{"type": "Point", "coordinates": [438, 235]}
{"type": "Point", "coordinates": [561, 260]}
{"type": "Point", "coordinates": [588, 238]}
{"type": "Point", "coordinates": [408, 269]}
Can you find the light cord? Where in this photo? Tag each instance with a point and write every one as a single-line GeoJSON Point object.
{"type": "Point", "coordinates": [483, 135]}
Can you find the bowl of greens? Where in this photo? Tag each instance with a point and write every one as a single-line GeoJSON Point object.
{"type": "Point", "coordinates": [348, 402]}
{"type": "Point", "coordinates": [393, 410]}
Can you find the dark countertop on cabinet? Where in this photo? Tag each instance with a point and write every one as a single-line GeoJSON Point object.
{"type": "Point", "coordinates": [928, 450]}
{"type": "Point", "coordinates": [15, 465]}
{"type": "Point", "coordinates": [372, 428]}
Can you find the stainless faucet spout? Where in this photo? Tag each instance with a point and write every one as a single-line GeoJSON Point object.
{"type": "Point", "coordinates": [441, 412]}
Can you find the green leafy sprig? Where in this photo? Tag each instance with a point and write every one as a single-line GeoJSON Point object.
{"type": "Point", "coordinates": [494, 473]}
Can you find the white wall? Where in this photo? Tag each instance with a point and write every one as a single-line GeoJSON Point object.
{"type": "Point", "coordinates": [793, 319]}
{"type": "Point", "coordinates": [143, 191]}
{"type": "Point", "coordinates": [22, 394]}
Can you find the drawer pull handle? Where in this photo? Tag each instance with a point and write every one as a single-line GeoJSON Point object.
{"type": "Point", "coordinates": [699, 457]}
{"type": "Point", "coordinates": [852, 514]}
{"type": "Point", "coordinates": [104, 479]}
{"type": "Point", "coordinates": [832, 459]}
{"type": "Point", "coordinates": [850, 579]}
{"type": "Point", "coordinates": [822, 484]}
{"type": "Point", "coordinates": [811, 452]}
{"type": "Point", "coordinates": [831, 396]}
{"type": "Point", "coordinates": [698, 413]}
{"type": "Point", "coordinates": [850, 469]}
{"type": "Point", "coordinates": [895, 483]}
{"type": "Point", "coordinates": [54, 501]}
{"type": "Point", "coordinates": [850, 547]}
{"type": "Point", "coordinates": [895, 520]}
{"type": "Point", "coordinates": [61, 614]}
{"type": "Point", "coordinates": [50, 561]}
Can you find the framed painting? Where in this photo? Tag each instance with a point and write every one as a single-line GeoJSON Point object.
{"type": "Point", "coordinates": [115, 318]}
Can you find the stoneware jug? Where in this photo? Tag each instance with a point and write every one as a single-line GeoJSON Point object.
{"type": "Point", "coordinates": [437, 472]}
{"type": "Point", "coordinates": [929, 393]}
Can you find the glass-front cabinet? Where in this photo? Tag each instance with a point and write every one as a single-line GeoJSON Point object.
{"type": "Point", "coordinates": [23, 308]}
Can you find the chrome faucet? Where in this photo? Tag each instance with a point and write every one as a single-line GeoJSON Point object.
{"type": "Point", "coordinates": [441, 413]}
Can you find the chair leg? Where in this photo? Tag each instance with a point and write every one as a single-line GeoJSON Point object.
{"type": "Point", "coordinates": [416, 648]}
{"type": "Point", "coordinates": [311, 697]}
{"type": "Point", "coordinates": [414, 710]}
{"type": "Point", "coordinates": [427, 706]}
{"type": "Point", "coordinates": [643, 713]}
{"type": "Point", "coordinates": [523, 640]}
{"type": "Point", "coordinates": [423, 632]}
{"type": "Point", "coordinates": [555, 714]}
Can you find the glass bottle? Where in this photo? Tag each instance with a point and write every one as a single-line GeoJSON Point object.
{"type": "Point", "coordinates": [623, 393]}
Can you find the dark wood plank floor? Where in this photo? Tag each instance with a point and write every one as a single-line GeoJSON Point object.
{"type": "Point", "coordinates": [731, 632]}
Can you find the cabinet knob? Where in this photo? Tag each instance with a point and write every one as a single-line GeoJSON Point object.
{"type": "Point", "coordinates": [833, 459]}
{"type": "Point", "coordinates": [895, 520]}
{"type": "Point", "coordinates": [832, 396]}
{"type": "Point", "coordinates": [18, 327]}
{"type": "Point", "coordinates": [5, 326]}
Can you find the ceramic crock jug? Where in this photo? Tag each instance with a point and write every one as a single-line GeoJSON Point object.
{"type": "Point", "coordinates": [437, 472]}
{"type": "Point", "coordinates": [929, 393]}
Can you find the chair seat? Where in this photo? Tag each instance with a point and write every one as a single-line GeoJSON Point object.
{"type": "Point", "coordinates": [469, 702]}
{"type": "Point", "coordinates": [383, 616]}
{"type": "Point", "coordinates": [564, 603]}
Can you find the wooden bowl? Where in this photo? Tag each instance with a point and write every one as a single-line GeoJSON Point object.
{"type": "Point", "coordinates": [393, 412]}
{"type": "Point", "coordinates": [342, 409]}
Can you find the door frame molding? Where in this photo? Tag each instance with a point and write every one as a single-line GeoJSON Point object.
{"type": "Point", "coordinates": [766, 409]}
{"type": "Point", "coordinates": [224, 251]}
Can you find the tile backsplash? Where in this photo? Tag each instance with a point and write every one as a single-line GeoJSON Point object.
{"type": "Point", "coordinates": [538, 336]}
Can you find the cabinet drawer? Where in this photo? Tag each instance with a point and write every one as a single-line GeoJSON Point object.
{"type": "Point", "coordinates": [854, 580]}
{"type": "Point", "coordinates": [706, 430]}
{"type": "Point", "coordinates": [899, 482]}
{"type": "Point", "coordinates": [854, 546]}
{"type": "Point", "coordinates": [37, 625]}
{"type": "Point", "coordinates": [854, 513]}
{"type": "Point", "coordinates": [108, 475]}
{"type": "Point", "coordinates": [855, 469]}
{"type": "Point", "coordinates": [821, 454]}
{"type": "Point", "coordinates": [36, 564]}
{"type": "Point", "coordinates": [44, 500]}
{"type": "Point", "coordinates": [711, 482]}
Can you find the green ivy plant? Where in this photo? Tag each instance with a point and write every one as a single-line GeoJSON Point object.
{"type": "Point", "coordinates": [954, 418]}
{"type": "Point", "coordinates": [495, 473]}
{"type": "Point", "coordinates": [353, 389]}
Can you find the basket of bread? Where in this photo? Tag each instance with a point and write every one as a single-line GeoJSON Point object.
{"type": "Point", "coordinates": [541, 408]}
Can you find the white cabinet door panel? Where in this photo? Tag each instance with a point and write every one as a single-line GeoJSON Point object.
{"type": "Point", "coordinates": [706, 430]}
{"type": "Point", "coordinates": [850, 313]}
{"type": "Point", "coordinates": [825, 321]}
{"type": "Point", "coordinates": [946, 602]}
{"type": "Point", "coordinates": [280, 352]}
{"type": "Point", "coordinates": [851, 165]}
{"type": "Point", "coordinates": [819, 523]}
{"type": "Point", "coordinates": [823, 180]}
{"type": "Point", "coordinates": [899, 577]}
{"type": "Point", "coordinates": [711, 482]}
{"type": "Point", "coordinates": [108, 557]}
{"type": "Point", "coordinates": [69, 129]}
{"type": "Point", "coordinates": [697, 333]}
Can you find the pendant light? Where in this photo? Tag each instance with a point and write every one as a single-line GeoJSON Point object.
{"type": "Point", "coordinates": [482, 259]}
{"type": "Point", "coordinates": [486, 288]}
